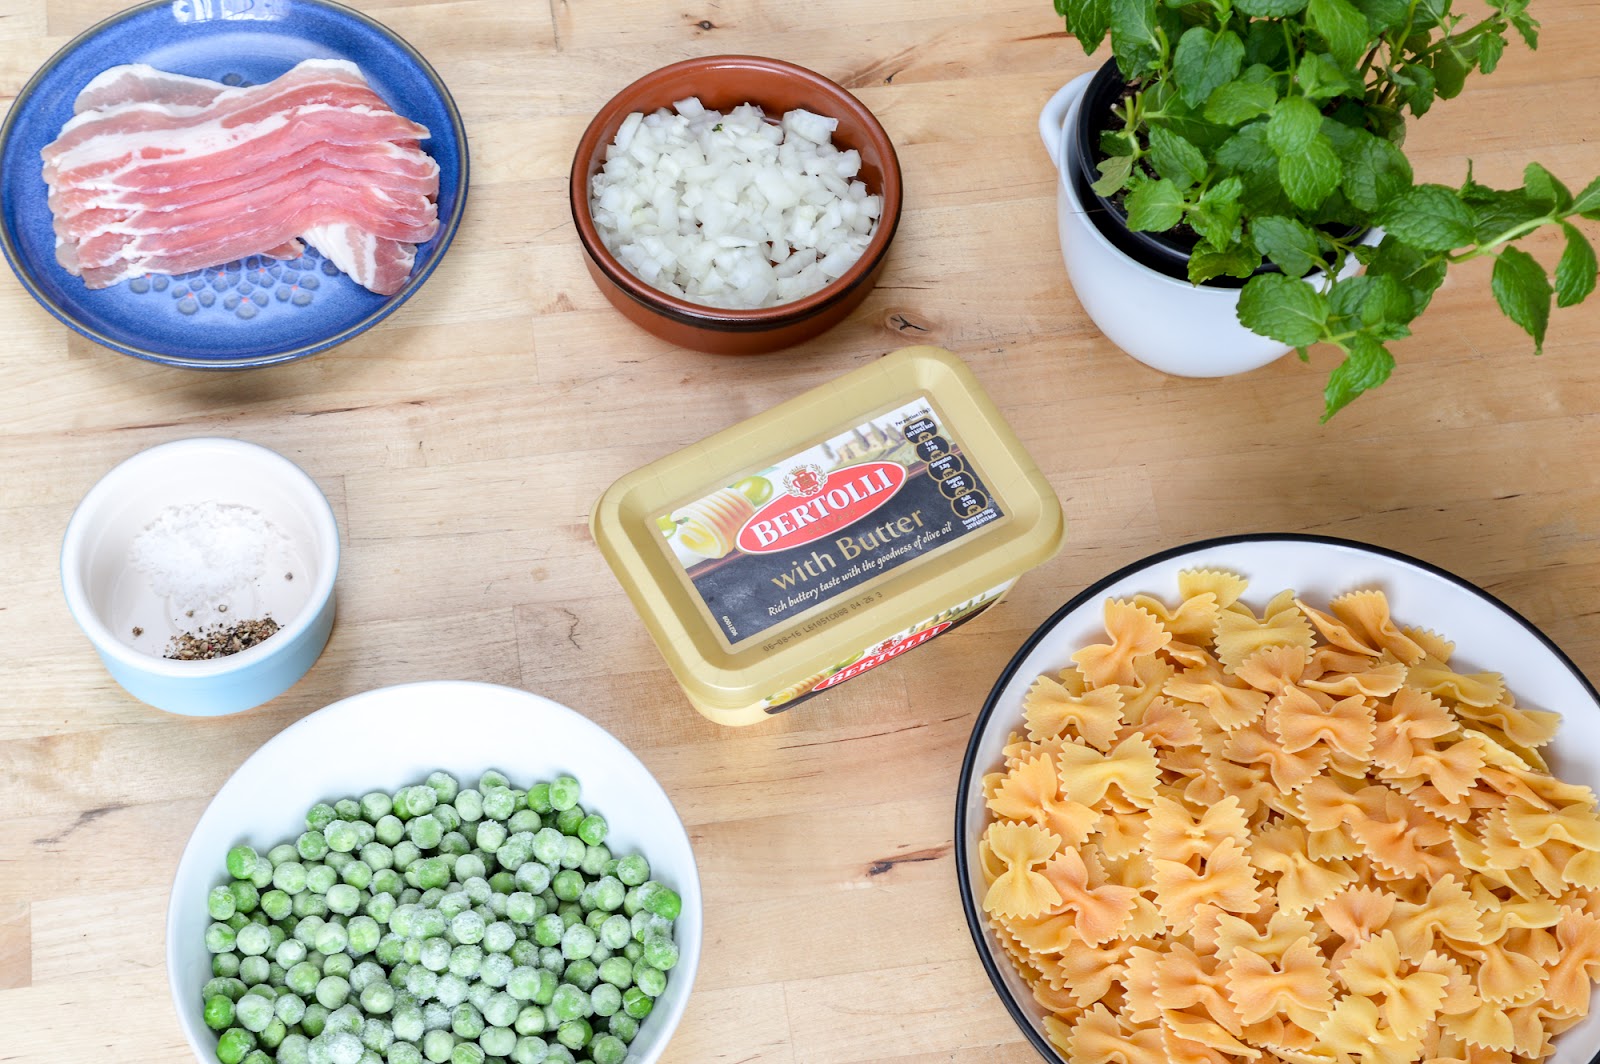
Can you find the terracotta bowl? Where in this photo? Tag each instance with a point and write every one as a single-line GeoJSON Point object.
{"type": "Point", "coordinates": [722, 82]}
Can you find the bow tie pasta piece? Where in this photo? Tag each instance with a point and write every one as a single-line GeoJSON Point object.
{"type": "Point", "coordinates": [1300, 835]}
{"type": "Point", "coordinates": [1052, 711]}
{"type": "Point", "coordinates": [1134, 634]}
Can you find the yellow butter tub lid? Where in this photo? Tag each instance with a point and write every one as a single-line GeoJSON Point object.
{"type": "Point", "coordinates": [788, 554]}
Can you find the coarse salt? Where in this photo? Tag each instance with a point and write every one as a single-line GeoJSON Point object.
{"type": "Point", "coordinates": [198, 553]}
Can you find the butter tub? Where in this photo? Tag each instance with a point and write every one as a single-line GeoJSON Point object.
{"type": "Point", "coordinates": [797, 550]}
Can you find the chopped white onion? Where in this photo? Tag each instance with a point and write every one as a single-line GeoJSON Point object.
{"type": "Point", "coordinates": [732, 210]}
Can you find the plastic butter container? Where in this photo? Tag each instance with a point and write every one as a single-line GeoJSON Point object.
{"type": "Point", "coordinates": [797, 550]}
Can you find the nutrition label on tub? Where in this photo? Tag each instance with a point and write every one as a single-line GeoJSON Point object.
{"type": "Point", "coordinates": [818, 525]}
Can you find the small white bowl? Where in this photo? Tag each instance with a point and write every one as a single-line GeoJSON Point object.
{"type": "Point", "coordinates": [1488, 635]}
{"type": "Point", "coordinates": [130, 624]}
{"type": "Point", "coordinates": [394, 736]}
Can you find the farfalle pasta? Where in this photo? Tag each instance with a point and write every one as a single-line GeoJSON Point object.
{"type": "Point", "coordinates": [1222, 837]}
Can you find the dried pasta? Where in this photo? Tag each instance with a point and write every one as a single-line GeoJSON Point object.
{"type": "Point", "coordinates": [1301, 836]}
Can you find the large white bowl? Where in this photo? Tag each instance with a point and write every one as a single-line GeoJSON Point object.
{"type": "Point", "coordinates": [385, 739]}
{"type": "Point", "coordinates": [1488, 634]}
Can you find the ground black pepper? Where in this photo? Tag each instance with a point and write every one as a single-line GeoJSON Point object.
{"type": "Point", "coordinates": [219, 642]}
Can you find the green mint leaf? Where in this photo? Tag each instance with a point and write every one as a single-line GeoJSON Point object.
{"type": "Point", "coordinates": [1575, 273]}
{"type": "Point", "coordinates": [1429, 218]}
{"type": "Point", "coordinates": [1545, 188]}
{"type": "Point", "coordinates": [1270, 8]}
{"type": "Point", "coordinates": [1247, 151]}
{"type": "Point", "coordinates": [1493, 46]}
{"type": "Point", "coordinates": [1154, 206]}
{"type": "Point", "coordinates": [1449, 73]}
{"type": "Point", "coordinates": [1204, 60]}
{"type": "Point", "coordinates": [1114, 174]}
{"type": "Point", "coordinates": [1311, 175]}
{"type": "Point", "coordinates": [1587, 202]}
{"type": "Point", "coordinates": [1527, 26]}
{"type": "Point", "coordinates": [1287, 310]}
{"type": "Point", "coordinates": [1322, 77]}
{"type": "Point", "coordinates": [1375, 172]}
{"type": "Point", "coordinates": [1344, 28]}
{"type": "Point", "coordinates": [1367, 364]}
{"type": "Point", "coordinates": [1384, 15]}
{"type": "Point", "coordinates": [1238, 261]}
{"type": "Point", "coordinates": [1373, 302]}
{"type": "Point", "coordinates": [1293, 125]}
{"type": "Point", "coordinates": [1133, 36]}
{"type": "Point", "coordinates": [1417, 87]}
{"type": "Point", "coordinates": [1288, 243]}
{"type": "Point", "coordinates": [1176, 159]}
{"type": "Point", "coordinates": [1088, 21]}
{"type": "Point", "coordinates": [1216, 216]}
{"type": "Point", "coordinates": [1237, 102]}
{"type": "Point", "coordinates": [1496, 212]}
{"type": "Point", "coordinates": [1523, 292]}
{"type": "Point", "coordinates": [1418, 273]}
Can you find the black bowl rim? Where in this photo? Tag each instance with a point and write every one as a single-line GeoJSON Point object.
{"type": "Point", "coordinates": [446, 235]}
{"type": "Point", "coordinates": [969, 906]}
{"type": "Point", "coordinates": [721, 319]}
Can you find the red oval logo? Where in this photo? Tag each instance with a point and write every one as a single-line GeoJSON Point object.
{"type": "Point", "coordinates": [888, 653]}
{"type": "Point", "coordinates": [843, 497]}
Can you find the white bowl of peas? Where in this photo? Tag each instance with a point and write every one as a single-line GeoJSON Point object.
{"type": "Point", "coordinates": [454, 873]}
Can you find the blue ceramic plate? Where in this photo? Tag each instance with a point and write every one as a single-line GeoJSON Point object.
{"type": "Point", "coordinates": [249, 313]}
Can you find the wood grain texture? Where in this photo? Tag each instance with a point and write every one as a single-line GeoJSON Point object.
{"type": "Point", "coordinates": [463, 441]}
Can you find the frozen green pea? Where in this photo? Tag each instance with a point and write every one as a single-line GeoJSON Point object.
{"type": "Point", "coordinates": [363, 935]}
{"type": "Point", "coordinates": [220, 904]}
{"type": "Point", "coordinates": [289, 877]}
{"type": "Point", "coordinates": [468, 927]}
{"type": "Point", "coordinates": [320, 878]}
{"type": "Point", "coordinates": [455, 844]}
{"type": "Point", "coordinates": [530, 1020]}
{"type": "Point", "coordinates": [246, 895]}
{"type": "Point", "coordinates": [320, 816]}
{"type": "Point", "coordinates": [407, 1023]}
{"type": "Point", "coordinates": [341, 836]}
{"type": "Point", "coordinates": [615, 932]}
{"type": "Point", "coordinates": [356, 874]}
{"type": "Point", "coordinates": [225, 964]}
{"type": "Point", "coordinates": [303, 978]}
{"type": "Point", "coordinates": [377, 999]}
{"type": "Point", "coordinates": [567, 821]}
{"type": "Point", "coordinates": [574, 1034]}
{"type": "Point", "coordinates": [315, 1019]}
{"type": "Point", "coordinates": [466, 1021]}
{"type": "Point", "coordinates": [336, 859]}
{"type": "Point", "coordinates": [332, 938]}
{"type": "Point", "coordinates": [606, 999]}
{"type": "Point", "coordinates": [380, 907]}
{"type": "Point", "coordinates": [469, 805]}
{"type": "Point", "coordinates": [498, 937]}
{"type": "Point", "coordinates": [241, 862]}
{"type": "Point", "coordinates": [338, 964]}
{"type": "Point", "coordinates": [347, 808]}
{"type": "Point", "coordinates": [617, 972]}
{"type": "Point", "coordinates": [538, 799]}
{"type": "Point", "coordinates": [637, 1003]}
{"type": "Point", "coordinates": [276, 904]}
{"type": "Point", "coordinates": [390, 949]}
{"type": "Point", "coordinates": [290, 1008]}
{"type": "Point", "coordinates": [261, 878]}
{"type": "Point", "coordinates": [469, 867]}
{"type": "Point", "coordinates": [501, 1010]}
{"type": "Point", "coordinates": [218, 1012]}
{"type": "Point", "coordinates": [282, 852]}
{"type": "Point", "coordinates": [452, 990]}
{"type": "Point", "coordinates": [220, 938]}
{"type": "Point", "coordinates": [445, 786]}
{"type": "Point", "coordinates": [502, 882]}
{"type": "Point", "coordinates": [399, 1053]}
{"type": "Point", "coordinates": [595, 860]}
{"type": "Point", "coordinates": [592, 829]}
{"type": "Point", "coordinates": [522, 908]}
{"type": "Point", "coordinates": [253, 1012]}
{"type": "Point", "coordinates": [525, 820]}
{"type": "Point", "coordinates": [272, 1035]}
{"type": "Point", "coordinates": [311, 845]}
{"type": "Point", "coordinates": [498, 1041]}
{"type": "Point", "coordinates": [490, 836]}
{"type": "Point", "coordinates": [465, 960]}
{"type": "Point", "coordinates": [428, 872]}
{"type": "Point", "coordinates": [660, 952]}
{"type": "Point", "coordinates": [477, 888]}
{"type": "Point", "coordinates": [651, 980]}
{"type": "Point", "coordinates": [430, 923]}
{"type": "Point", "coordinates": [389, 829]}
{"type": "Point", "coordinates": [448, 818]}
{"type": "Point", "coordinates": [294, 1049]}
{"type": "Point", "coordinates": [548, 845]}
{"type": "Point", "coordinates": [435, 954]}
{"type": "Point", "coordinates": [568, 1003]}
{"type": "Point", "coordinates": [608, 1049]}
{"type": "Point", "coordinates": [421, 983]}
{"type": "Point", "coordinates": [549, 929]}
{"type": "Point", "coordinates": [343, 899]}
{"type": "Point", "coordinates": [496, 969]}
{"type": "Point", "coordinates": [633, 870]}
{"type": "Point", "coordinates": [533, 877]}
{"type": "Point", "coordinates": [582, 974]}
{"type": "Point", "coordinates": [234, 1044]}
{"type": "Point", "coordinates": [437, 1045]}
{"type": "Point", "coordinates": [416, 801]}
{"type": "Point", "coordinates": [563, 792]}
{"type": "Point", "coordinates": [253, 940]}
{"type": "Point", "coordinates": [377, 857]}
{"type": "Point", "coordinates": [622, 1025]}
{"type": "Point", "coordinates": [425, 831]}
{"type": "Point", "coordinates": [568, 884]}
{"type": "Point", "coordinates": [388, 881]}
{"type": "Point", "coordinates": [577, 941]}
{"type": "Point", "coordinates": [406, 854]}
{"type": "Point", "coordinates": [662, 900]}
{"type": "Point", "coordinates": [254, 970]}
{"type": "Point", "coordinates": [309, 906]}
{"type": "Point", "coordinates": [289, 953]}
{"type": "Point", "coordinates": [467, 1053]}
{"type": "Point", "coordinates": [493, 779]}
{"type": "Point", "coordinates": [332, 991]}
{"type": "Point", "coordinates": [375, 806]}
{"type": "Point", "coordinates": [499, 804]}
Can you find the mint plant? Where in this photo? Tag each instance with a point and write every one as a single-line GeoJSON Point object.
{"type": "Point", "coordinates": [1271, 129]}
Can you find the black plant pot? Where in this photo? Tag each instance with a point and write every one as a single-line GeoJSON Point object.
{"type": "Point", "coordinates": [1162, 252]}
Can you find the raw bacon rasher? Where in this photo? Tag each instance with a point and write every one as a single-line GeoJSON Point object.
{"type": "Point", "coordinates": [163, 173]}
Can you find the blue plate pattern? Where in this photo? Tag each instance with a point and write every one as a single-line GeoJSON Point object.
{"type": "Point", "coordinates": [258, 311]}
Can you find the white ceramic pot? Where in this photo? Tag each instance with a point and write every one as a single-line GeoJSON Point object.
{"type": "Point", "coordinates": [1171, 325]}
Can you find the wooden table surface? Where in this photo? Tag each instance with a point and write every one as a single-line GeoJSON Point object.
{"type": "Point", "coordinates": [463, 441]}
